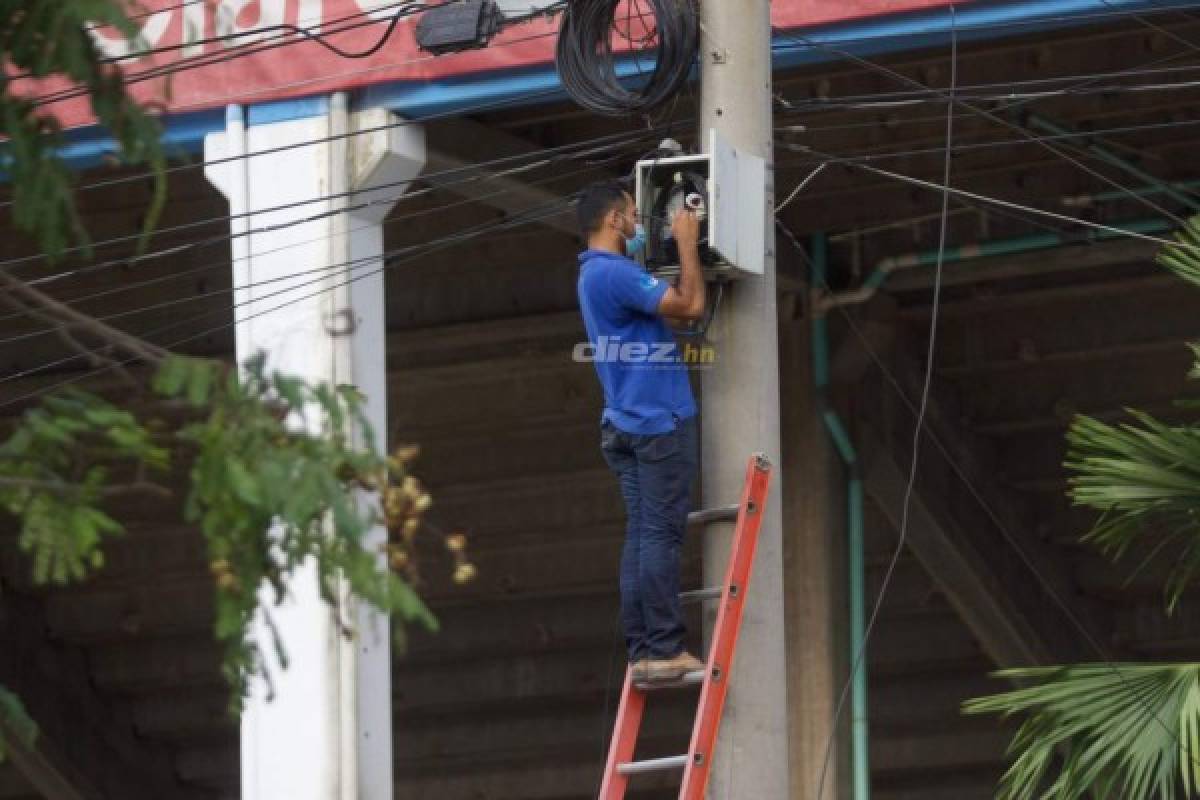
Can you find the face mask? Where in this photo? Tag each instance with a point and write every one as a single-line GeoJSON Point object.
{"type": "Point", "coordinates": [636, 243]}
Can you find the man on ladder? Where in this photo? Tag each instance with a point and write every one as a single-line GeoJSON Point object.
{"type": "Point", "coordinates": [648, 429]}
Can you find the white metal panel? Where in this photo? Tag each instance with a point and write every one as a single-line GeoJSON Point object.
{"type": "Point", "coordinates": [736, 205]}
{"type": "Point", "coordinates": [750, 205]}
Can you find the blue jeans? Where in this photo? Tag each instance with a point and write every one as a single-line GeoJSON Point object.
{"type": "Point", "coordinates": [655, 473]}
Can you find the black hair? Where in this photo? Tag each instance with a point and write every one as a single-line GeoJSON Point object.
{"type": "Point", "coordinates": [596, 200]}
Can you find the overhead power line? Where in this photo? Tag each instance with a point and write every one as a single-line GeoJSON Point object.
{"type": "Point", "coordinates": [852, 102]}
{"type": "Point", "coordinates": [994, 117]}
{"type": "Point", "coordinates": [226, 263]}
{"type": "Point", "coordinates": [389, 259]}
{"type": "Point", "coordinates": [289, 35]}
{"type": "Point", "coordinates": [548, 156]}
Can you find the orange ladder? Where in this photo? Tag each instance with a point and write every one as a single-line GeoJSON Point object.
{"type": "Point", "coordinates": [714, 679]}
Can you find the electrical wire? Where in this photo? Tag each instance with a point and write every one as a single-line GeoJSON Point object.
{"type": "Point", "coordinates": [254, 48]}
{"type": "Point", "coordinates": [823, 158]}
{"type": "Point", "coordinates": [586, 63]}
{"type": "Point", "coordinates": [635, 138]}
{"type": "Point", "coordinates": [906, 99]}
{"type": "Point", "coordinates": [1141, 20]}
{"type": "Point", "coordinates": [322, 276]}
{"type": "Point", "coordinates": [1119, 232]}
{"type": "Point", "coordinates": [800, 187]}
{"type": "Point", "coordinates": [211, 100]}
{"type": "Point", "coordinates": [860, 102]}
{"type": "Point", "coordinates": [852, 102]}
{"type": "Point", "coordinates": [283, 29]}
{"type": "Point", "coordinates": [26, 336]}
{"type": "Point", "coordinates": [620, 140]}
{"type": "Point", "coordinates": [917, 434]}
{"type": "Point", "coordinates": [1017, 127]}
{"type": "Point", "coordinates": [973, 490]}
{"type": "Point", "coordinates": [1039, 23]}
{"type": "Point", "coordinates": [225, 263]}
{"type": "Point", "coordinates": [548, 156]}
{"type": "Point", "coordinates": [222, 264]}
{"type": "Point", "coordinates": [796, 106]}
{"type": "Point", "coordinates": [298, 30]}
{"type": "Point", "coordinates": [993, 25]}
{"type": "Point", "coordinates": [389, 259]}
{"type": "Point", "coordinates": [1001, 121]}
{"type": "Point", "coordinates": [879, 154]}
{"type": "Point", "coordinates": [210, 59]}
{"type": "Point", "coordinates": [931, 349]}
{"type": "Point", "coordinates": [489, 105]}
{"type": "Point", "coordinates": [151, 13]}
{"type": "Point", "coordinates": [966, 480]}
{"type": "Point", "coordinates": [986, 26]}
{"type": "Point", "coordinates": [920, 412]}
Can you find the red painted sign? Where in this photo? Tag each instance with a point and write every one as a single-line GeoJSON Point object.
{"type": "Point", "coordinates": [225, 51]}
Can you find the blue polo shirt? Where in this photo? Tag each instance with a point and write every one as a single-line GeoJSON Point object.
{"type": "Point", "coordinates": [631, 346]}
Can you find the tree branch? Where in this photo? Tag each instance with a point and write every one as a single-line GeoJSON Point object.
{"type": "Point", "coordinates": [140, 486]}
{"type": "Point", "coordinates": [68, 317]}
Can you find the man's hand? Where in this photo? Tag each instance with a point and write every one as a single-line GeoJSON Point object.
{"type": "Point", "coordinates": [686, 301]}
{"type": "Point", "coordinates": [686, 229]}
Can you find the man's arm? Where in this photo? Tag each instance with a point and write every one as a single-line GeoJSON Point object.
{"type": "Point", "coordinates": [685, 301]}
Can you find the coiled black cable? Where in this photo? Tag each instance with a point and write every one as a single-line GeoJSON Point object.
{"type": "Point", "coordinates": [586, 65]}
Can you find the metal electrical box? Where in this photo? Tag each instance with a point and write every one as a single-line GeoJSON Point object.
{"type": "Point", "coordinates": [727, 187]}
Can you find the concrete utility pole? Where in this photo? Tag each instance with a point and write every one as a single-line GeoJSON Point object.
{"type": "Point", "coordinates": [741, 415]}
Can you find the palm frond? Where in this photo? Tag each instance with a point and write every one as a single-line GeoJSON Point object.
{"type": "Point", "coordinates": [15, 725]}
{"type": "Point", "coordinates": [1129, 731]}
{"type": "Point", "coordinates": [1183, 257]}
{"type": "Point", "coordinates": [1144, 478]}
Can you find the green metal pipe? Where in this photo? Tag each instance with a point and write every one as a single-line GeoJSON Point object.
{"type": "Point", "coordinates": [1109, 157]}
{"type": "Point", "coordinates": [996, 247]}
{"type": "Point", "coordinates": [845, 447]}
{"type": "Point", "coordinates": [1083, 200]}
{"type": "Point", "coordinates": [854, 520]}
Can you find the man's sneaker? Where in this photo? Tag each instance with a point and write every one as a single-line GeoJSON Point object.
{"type": "Point", "coordinates": [639, 670]}
{"type": "Point", "coordinates": [666, 670]}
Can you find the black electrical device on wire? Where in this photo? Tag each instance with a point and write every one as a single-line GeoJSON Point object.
{"type": "Point", "coordinates": [587, 65]}
{"type": "Point", "coordinates": [458, 26]}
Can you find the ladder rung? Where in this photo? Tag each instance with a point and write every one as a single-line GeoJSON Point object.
{"type": "Point", "coordinates": [653, 765]}
{"type": "Point", "coordinates": [689, 679]}
{"type": "Point", "coordinates": [717, 514]}
{"type": "Point", "coordinates": [697, 595]}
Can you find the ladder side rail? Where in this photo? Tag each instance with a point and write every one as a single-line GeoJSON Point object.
{"type": "Point", "coordinates": [725, 632]}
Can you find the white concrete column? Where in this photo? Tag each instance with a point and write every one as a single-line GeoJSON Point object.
{"type": "Point", "coordinates": [311, 296]}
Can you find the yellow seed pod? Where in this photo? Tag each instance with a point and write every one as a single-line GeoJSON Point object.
{"type": "Point", "coordinates": [410, 528]}
{"type": "Point", "coordinates": [407, 452]}
{"type": "Point", "coordinates": [464, 573]}
{"type": "Point", "coordinates": [456, 542]}
{"type": "Point", "coordinates": [422, 503]}
{"type": "Point", "coordinates": [219, 567]}
{"type": "Point", "coordinates": [228, 582]}
{"type": "Point", "coordinates": [394, 502]}
{"type": "Point", "coordinates": [398, 560]}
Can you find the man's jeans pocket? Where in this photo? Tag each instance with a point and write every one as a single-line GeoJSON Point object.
{"type": "Point", "coordinates": [658, 446]}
